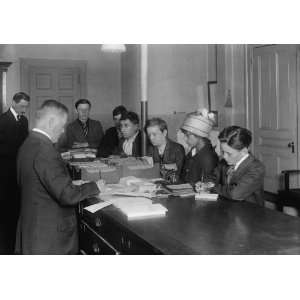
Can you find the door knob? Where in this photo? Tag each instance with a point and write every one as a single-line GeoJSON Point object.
{"type": "Point", "coordinates": [292, 145]}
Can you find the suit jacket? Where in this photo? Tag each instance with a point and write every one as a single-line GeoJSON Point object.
{"type": "Point", "coordinates": [47, 222]}
{"type": "Point", "coordinates": [12, 135]}
{"type": "Point", "coordinates": [136, 146]}
{"type": "Point", "coordinates": [174, 153]}
{"type": "Point", "coordinates": [74, 133]}
{"type": "Point", "coordinates": [109, 143]}
{"type": "Point", "coordinates": [200, 166]}
{"type": "Point", "coordinates": [246, 182]}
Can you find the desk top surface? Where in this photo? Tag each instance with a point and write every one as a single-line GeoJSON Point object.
{"type": "Point", "coordinates": [221, 227]}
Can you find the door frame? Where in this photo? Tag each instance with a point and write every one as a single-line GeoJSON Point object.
{"type": "Point", "coordinates": [249, 94]}
{"type": "Point", "coordinates": [27, 63]}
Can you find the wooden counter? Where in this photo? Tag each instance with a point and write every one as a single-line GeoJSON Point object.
{"type": "Point", "coordinates": [192, 227]}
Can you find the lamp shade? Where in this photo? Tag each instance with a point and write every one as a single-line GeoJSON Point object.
{"type": "Point", "coordinates": [113, 48]}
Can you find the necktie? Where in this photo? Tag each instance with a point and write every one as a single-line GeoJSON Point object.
{"type": "Point", "coordinates": [85, 129]}
{"type": "Point", "coordinates": [230, 172]}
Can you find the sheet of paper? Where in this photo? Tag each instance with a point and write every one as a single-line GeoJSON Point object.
{"type": "Point", "coordinates": [79, 182]}
{"type": "Point", "coordinates": [179, 186]}
{"type": "Point", "coordinates": [95, 207]}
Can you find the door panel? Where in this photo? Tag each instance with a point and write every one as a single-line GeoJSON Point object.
{"type": "Point", "coordinates": [59, 82]}
{"type": "Point", "coordinates": [275, 110]}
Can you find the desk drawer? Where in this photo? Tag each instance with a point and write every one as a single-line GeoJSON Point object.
{"type": "Point", "coordinates": [122, 238]}
{"type": "Point", "coordinates": [91, 242]}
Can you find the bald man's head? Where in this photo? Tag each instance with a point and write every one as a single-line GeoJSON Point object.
{"type": "Point", "coordinates": [52, 117]}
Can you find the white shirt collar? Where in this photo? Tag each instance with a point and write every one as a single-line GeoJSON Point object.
{"type": "Point", "coordinates": [240, 161]}
{"type": "Point", "coordinates": [127, 145]}
{"type": "Point", "coordinates": [14, 113]}
{"type": "Point", "coordinates": [42, 132]}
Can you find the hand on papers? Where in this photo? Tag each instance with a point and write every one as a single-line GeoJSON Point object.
{"type": "Point", "coordinates": [101, 185]}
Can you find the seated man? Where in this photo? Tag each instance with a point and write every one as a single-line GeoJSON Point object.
{"type": "Point", "coordinates": [239, 176]}
{"type": "Point", "coordinates": [167, 153]}
{"type": "Point", "coordinates": [83, 132]}
{"type": "Point", "coordinates": [112, 135]}
{"type": "Point", "coordinates": [130, 144]}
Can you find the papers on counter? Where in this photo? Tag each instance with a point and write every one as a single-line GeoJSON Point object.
{"type": "Point", "coordinates": [206, 197]}
{"type": "Point", "coordinates": [79, 182]}
{"type": "Point", "coordinates": [138, 207]}
{"type": "Point", "coordinates": [181, 190]}
{"type": "Point", "coordinates": [132, 207]}
{"type": "Point", "coordinates": [179, 186]}
{"type": "Point", "coordinates": [95, 207]}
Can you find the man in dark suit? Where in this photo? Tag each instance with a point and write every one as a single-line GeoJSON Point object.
{"type": "Point", "coordinates": [111, 139]}
{"type": "Point", "coordinates": [131, 142]}
{"type": "Point", "coordinates": [239, 176]}
{"type": "Point", "coordinates": [13, 131]}
{"type": "Point", "coordinates": [47, 222]}
{"type": "Point", "coordinates": [83, 132]}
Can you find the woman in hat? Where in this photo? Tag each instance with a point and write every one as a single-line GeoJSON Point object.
{"type": "Point", "coordinates": [201, 160]}
{"type": "Point", "coordinates": [240, 175]}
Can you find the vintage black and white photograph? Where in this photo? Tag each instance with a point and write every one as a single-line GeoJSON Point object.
{"type": "Point", "coordinates": [161, 143]}
{"type": "Point", "coordinates": [113, 149]}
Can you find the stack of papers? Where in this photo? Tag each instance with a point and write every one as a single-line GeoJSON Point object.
{"type": "Point", "coordinates": [136, 208]}
{"type": "Point", "coordinates": [181, 190]}
{"type": "Point", "coordinates": [132, 207]}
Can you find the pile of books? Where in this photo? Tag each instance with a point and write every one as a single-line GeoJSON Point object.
{"type": "Point", "coordinates": [181, 190]}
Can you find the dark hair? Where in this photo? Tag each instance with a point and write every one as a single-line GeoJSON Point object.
{"type": "Point", "coordinates": [82, 101]}
{"type": "Point", "coordinates": [21, 96]}
{"type": "Point", "coordinates": [236, 137]}
{"type": "Point", "coordinates": [157, 122]}
{"type": "Point", "coordinates": [119, 110]}
{"type": "Point", "coordinates": [54, 104]}
{"type": "Point", "coordinates": [131, 116]}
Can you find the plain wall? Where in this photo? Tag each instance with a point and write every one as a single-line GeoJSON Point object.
{"type": "Point", "coordinates": [177, 81]}
{"type": "Point", "coordinates": [103, 72]}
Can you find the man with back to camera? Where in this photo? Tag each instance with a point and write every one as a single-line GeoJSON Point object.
{"type": "Point", "coordinates": [47, 222]}
{"type": "Point", "coordinates": [83, 132]}
{"type": "Point", "coordinates": [13, 132]}
{"type": "Point", "coordinates": [112, 135]}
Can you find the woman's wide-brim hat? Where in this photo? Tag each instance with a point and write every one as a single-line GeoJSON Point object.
{"type": "Point", "coordinates": [199, 123]}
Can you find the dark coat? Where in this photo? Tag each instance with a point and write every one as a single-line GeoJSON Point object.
{"type": "Point", "coordinates": [47, 223]}
{"type": "Point", "coordinates": [174, 153]}
{"type": "Point", "coordinates": [109, 143]}
{"type": "Point", "coordinates": [12, 135]}
{"type": "Point", "coordinates": [200, 167]}
{"type": "Point", "coordinates": [246, 182]}
{"type": "Point", "coordinates": [74, 133]}
{"type": "Point", "coordinates": [136, 146]}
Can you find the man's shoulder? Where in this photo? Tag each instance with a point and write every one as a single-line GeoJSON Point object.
{"type": "Point", "coordinates": [256, 163]}
{"type": "Point", "coordinates": [4, 117]}
{"type": "Point", "coordinates": [111, 130]}
{"type": "Point", "coordinates": [95, 122]}
{"type": "Point", "coordinates": [175, 145]}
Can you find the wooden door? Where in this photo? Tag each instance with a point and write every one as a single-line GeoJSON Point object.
{"type": "Point", "coordinates": [275, 110]}
{"type": "Point", "coordinates": [47, 79]}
